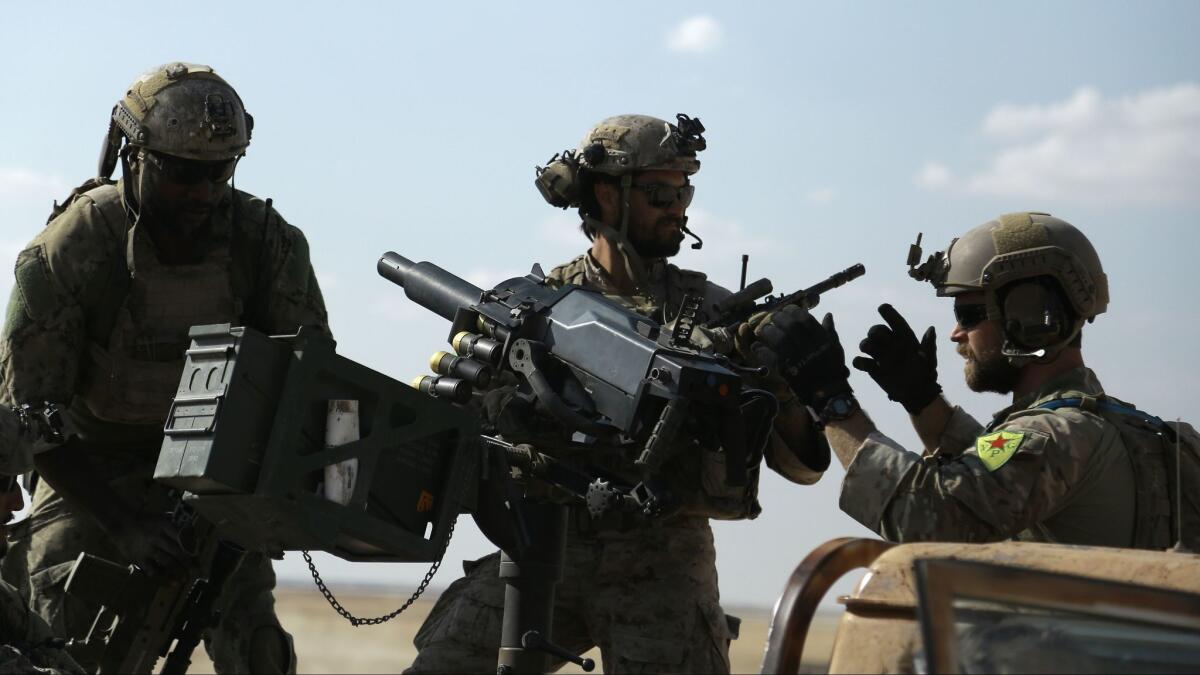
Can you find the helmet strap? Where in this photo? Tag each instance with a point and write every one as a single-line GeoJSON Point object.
{"type": "Point", "coordinates": [626, 184]}
{"type": "Point", "coordinates": [131, 198]}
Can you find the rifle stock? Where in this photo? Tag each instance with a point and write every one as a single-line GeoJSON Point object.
{"type": "Point", "coordinates": [142, 617]}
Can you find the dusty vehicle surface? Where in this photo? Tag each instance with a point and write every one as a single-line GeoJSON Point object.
{"type": "Point", "coordinates": [1002, 607]}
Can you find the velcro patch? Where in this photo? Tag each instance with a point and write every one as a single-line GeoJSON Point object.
{"type": "Point", "coordinates": [996, 449]}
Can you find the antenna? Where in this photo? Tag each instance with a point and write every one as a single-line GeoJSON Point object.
{"type": "Point", "coordinates": [745, 264]}
{"type": "Point", "coordinates": [1179, 545]}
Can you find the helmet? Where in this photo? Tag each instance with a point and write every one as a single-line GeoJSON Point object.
{"type": "Point", "coordinates": [180, 109]}
{"type": "Point", "coordinates": [998, 256]}
{"type": "Point", "coordinates": [619, 146]}
{"type": "Point", "coordinates": [626, 143]}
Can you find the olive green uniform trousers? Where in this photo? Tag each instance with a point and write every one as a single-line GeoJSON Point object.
{"type": "Point", "coordinates": [249, 637]}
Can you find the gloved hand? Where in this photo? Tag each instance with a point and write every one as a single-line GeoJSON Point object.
{"type": "Point", "coordinates": [152, 542]}
{"type": "Point", "coordinates": [905, 369]}
{"type": "Point", "coordinates": [807, 354]}
{"type": "Point", "coordinates": [744, 339]}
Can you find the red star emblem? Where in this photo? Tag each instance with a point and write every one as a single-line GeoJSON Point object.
{"type": "Point", "coordinates": [998, 442]}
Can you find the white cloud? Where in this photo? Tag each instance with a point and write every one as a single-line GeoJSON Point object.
{"type": "Point", "coordinates": [695, 34]}
{"type": "Point", "coordinates": [933, 175]}
{"type": "Point", "coordinates": [821, 195]}
{"type": "Point", "coordinates": [1139, 148]}
{"type": "Point", "coordinates": [22, 185]}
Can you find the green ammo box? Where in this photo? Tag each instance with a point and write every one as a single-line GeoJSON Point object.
{"type": "Point", "coordinates": [246, 440]}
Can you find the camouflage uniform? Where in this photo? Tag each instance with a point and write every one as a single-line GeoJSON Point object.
{"type": "Point", "coordinates": [28, 646]}
{"type": "Point", "coordinates": [645, 592]}
{"type": "Point", "coordinates": [78, 332]}
{"type": "Point", "coordinates": [1063, 476]}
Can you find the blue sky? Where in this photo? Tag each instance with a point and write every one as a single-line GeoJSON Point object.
{"type": "Point", "coordinates": [836, 133]}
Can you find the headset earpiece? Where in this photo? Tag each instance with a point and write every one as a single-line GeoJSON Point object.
{"type": "Point", "coordinates": [1035, 316]}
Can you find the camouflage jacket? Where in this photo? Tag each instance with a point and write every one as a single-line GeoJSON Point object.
{"type": "Point", "coordinates": [26, 644]}
{"type": "Point", "coordinates": [667, 286]}
{"type": "Point", "coordinates": [63, 299]}
{"type": "Point", "coordinates": [1062, 475]}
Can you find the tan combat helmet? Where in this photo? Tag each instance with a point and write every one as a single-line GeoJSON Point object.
{"type": "Point", "coordinates": [180, 109]}
{"type": "Point", "coordinates": [997, 256]}
{"type": "Point", "coordinates": [621, 146]}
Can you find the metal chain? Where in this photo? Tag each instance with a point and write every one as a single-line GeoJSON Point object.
{"type": "Point", "coordinates": [374, 621]}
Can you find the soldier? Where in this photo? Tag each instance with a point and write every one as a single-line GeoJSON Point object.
{"type": "Point", "coordinates": [98, 322]}
{"type": "Point", "coordinates": [643, 590]}
{"type": "Point", "coordinates": [1064, 463]}
{"type": "Point", "coordinates": [26, 643]}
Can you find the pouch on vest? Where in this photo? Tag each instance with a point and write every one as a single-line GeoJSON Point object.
{"type": "Point", "coordinates": [1166, 463]}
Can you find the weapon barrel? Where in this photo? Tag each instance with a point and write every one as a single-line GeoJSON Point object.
{"type": "Point", "coordinates": [428, 285]}
{"type": "Point", "coordinates": [844, 277]}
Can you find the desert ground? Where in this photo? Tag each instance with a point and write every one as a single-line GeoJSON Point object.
{"type": "Point", "coordinates": [327, 643]}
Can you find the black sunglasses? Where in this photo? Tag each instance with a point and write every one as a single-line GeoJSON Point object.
{"type": "Point", "coordinates": [662, 196]}
{"type": "Point", "coordinates": [192, 171]}
{"type": "Point", "coordinates": [969, 316]}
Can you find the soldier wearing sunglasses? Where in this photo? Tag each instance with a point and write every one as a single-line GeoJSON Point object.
{"type": "Point", "coordinates": [99, 319]}
{"type": "Point", "coordinates": [643, 590]}
{"type": "Point", "coordinates": [1063, 463]}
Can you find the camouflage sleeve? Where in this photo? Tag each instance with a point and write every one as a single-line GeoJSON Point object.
{"type": "Point", "coordinates": [24, 646]}
{"type": "Point", "coordinates": [44, 333]}
{"type": "Point", "coordinates": [960, 432]}
{"type": "Point", "coordinates": [294, 296]}
{"type": "Point", "coordinates": [787, 463]}
{"type": "Point", "coordinates": [1000, 485]}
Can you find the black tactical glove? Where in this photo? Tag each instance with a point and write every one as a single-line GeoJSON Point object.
{"type": "Point", "coordinates": [806, 353]}
{"type": "Point", "coordinates": [905, 369]}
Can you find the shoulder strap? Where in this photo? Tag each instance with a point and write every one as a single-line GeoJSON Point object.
{"type": "Point", "coordinates": [1104, 404]}
{"type": "Point", "coordinates": [87, 186]}
{"type": "Point", "coordinates": [103, 309]}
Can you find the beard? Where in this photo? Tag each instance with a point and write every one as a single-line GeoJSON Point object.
{"type": "Point", "coordinates": [658, 240]}
{"type": "Point", "coordinates": [989, 371]}
{"type": "Point", "coordinates": [183, 213]}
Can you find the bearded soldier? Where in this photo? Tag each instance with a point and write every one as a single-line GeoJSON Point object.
{"type": "Point", "coordinates": [1065, 462]}
{"type": "Point", "coordinates": [98, 323]}
{"type": "Point", "coordinates": [642, 589]}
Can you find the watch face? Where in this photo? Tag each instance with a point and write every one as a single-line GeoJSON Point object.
{"type": "Point", "coordinates": [840, 408]}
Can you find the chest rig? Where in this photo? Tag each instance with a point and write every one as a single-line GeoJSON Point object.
{"type": "Point", "coordinates": [138, 334]}
{"type": "Point", "coordinates": [696, 475]}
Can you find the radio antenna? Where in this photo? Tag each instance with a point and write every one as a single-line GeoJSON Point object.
{"type": "Point", "coordinates": [745, 264]}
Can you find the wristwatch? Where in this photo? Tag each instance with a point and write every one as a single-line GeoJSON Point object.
{"type": "Point", "coordinates": [838, 408]}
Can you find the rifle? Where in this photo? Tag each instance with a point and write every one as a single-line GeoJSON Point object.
{"type": "Point", "coordinates": [740, 306]}
{"type": "Point", "coordinates": [144, 618]}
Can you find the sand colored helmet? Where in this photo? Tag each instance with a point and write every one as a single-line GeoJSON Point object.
{"type": "Point", "coordinates": [627, 143]}
{"type": "Point", "coordinates": [997, 256]}
{"type": "Point", "coordinates": [619, 146]}
{"type": "Point", "coordinates": [180, 109]}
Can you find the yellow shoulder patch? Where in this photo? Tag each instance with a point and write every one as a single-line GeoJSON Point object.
{"type": "Point", "coordinates": [996, 449]}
